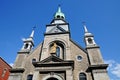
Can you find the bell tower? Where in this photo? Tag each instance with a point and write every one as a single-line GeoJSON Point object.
{"type": "Point", "coordinates": [97, 65]}
{"type": "Point", "coordinates": [55, 58]}
{"type": "Point", "coordinates": [92, 48]}
{"type": "Point", "coordinates": [57, 32]}
{"type": "Point", "coordinates": [28, 44]}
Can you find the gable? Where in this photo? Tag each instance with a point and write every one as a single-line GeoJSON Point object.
{"type": "Point", "coordinates": [3, 62]}
{"type": "Point", "coordinates": [51, 59]}
{"type": "Point", "coordinates": [83, 49]}
{"type": "Point", "coordinates": [55, 29]}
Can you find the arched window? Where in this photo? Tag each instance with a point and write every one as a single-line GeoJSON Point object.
{"type": "Point", "coordinates": [58, 52]}
{"type": "Point", "coordinates": [26, 46]}
{"type": "Point", "coordinates": [90, 41]}
{"type": "Point", "coordinates": [30, 46]}
{"type": "Point", "coordinates": [4, 72]}
{"type": "Point", "coordinates": [58, 16]}
{"type": "Point", "coordinates": [58, 48]}
{"type": "Point", "coordinates": [82, 76]}
{"type": "Point", "coordinates": [33, 60]}
{"type": "Point", "coordinates": [62, 17]}
{"type": "Point", "coordinates": [29, 77]}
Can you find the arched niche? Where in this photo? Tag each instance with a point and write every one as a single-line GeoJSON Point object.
{"type": "Point", "coordinates": [60, 48]}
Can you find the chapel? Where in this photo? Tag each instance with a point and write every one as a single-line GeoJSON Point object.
{"type": "Point", "coordinates": [59, 57]}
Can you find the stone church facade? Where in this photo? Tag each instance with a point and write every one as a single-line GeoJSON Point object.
{"type": "Point", "coordinates": [58, 57]}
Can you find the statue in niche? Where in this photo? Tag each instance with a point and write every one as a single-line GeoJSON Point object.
{"type": "Point", "coordinates": [53, 48]}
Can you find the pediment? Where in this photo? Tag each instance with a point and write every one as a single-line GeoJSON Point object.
{"type": "Point", "coordinates": [51, 59]}
{"type": "Point", "coordinates": [56, 29]}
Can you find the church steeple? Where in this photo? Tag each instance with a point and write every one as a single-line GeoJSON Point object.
{"type": "Point", "coordinates": [59, 14]}
{"type": "Point", "coordinates": [58, 25]}
{"type": "Point", "coordinates": [28, 43]}
{"type": "Point", "coordinates": [32, 34]}
{"type": "Point", "coordinates": [89, 38]}
{"type": "Point", "coordinates": [85, 28]}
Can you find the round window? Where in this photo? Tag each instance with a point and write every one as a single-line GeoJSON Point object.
{"type": "Point", "coordinates": [79, 58]}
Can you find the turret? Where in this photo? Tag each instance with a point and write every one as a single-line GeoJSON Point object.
{"type": "Point", "coordinates": [59, 14]}
{"type": "Point", "coordinates": [97, 66]}
{"type": "Point", "coordinates": [25, 50]}
{"type": "Point", "coordinates": [89, 38]}
{"type": "Point", "coordinates": [28, 43]}
{"type": "Point", "coordinates": [92, 48]}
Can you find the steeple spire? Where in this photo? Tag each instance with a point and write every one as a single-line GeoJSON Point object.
{"type": "Point", "coordinates": [59, 8]}
{"type": "Point", "coordinates": [85, 28]}
{"type": "Point", "coordinates": [89, 38]}
{"type": "Point", "coordinates": [32, 34]}
{"type": "Point", "coordinates": [28, 43]}
{"type": "Point", "coordinates": [59, 14]}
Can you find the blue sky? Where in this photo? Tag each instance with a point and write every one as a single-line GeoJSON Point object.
{"type": "Point", "coordinates": [102, 17]}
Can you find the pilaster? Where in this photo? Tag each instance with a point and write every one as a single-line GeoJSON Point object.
{"type": "Point", "coordinates": [36, 75]}
{"type": "Point", "coordinates": [69, 74]}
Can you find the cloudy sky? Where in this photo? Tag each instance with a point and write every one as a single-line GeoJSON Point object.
{"type": "Point", "coordinates": [102, 17]}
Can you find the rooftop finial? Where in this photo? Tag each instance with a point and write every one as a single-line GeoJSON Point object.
{"type": "Point", "coordinates": [85, 28]}
{"type": "Point", "coordinates": [59, 14]}
{"type": "Point", "coordinates": [59, 8]}
{"type": "Point", "coordinates": [32, 34]}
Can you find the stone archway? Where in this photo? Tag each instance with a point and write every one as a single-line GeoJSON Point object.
{"type": "Point", "coordinates": [52, 78]}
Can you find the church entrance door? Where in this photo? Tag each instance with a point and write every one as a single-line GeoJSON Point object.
{"type": "Point", "coordinates": [52, 78]}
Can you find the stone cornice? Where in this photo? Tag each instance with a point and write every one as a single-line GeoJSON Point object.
{"type": "Point", "coordinates": [17, 70]}
{"type": "Point", "coordinates": [98, 66]}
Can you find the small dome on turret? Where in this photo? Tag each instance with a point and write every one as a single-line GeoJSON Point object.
{"type": "Point", "coordinates": [59, 14]}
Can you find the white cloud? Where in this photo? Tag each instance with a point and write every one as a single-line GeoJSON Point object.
{"type": "Point", "coordinates": [110, 62]}
{"type": "Point", "coordinates": [11, 64]}
{"type": "Point", "coordinates": [23, 39]}
{"type": "Point", "coordinates": [116, 70]}
{"type": "Point", "coordinates": [114, 67]}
